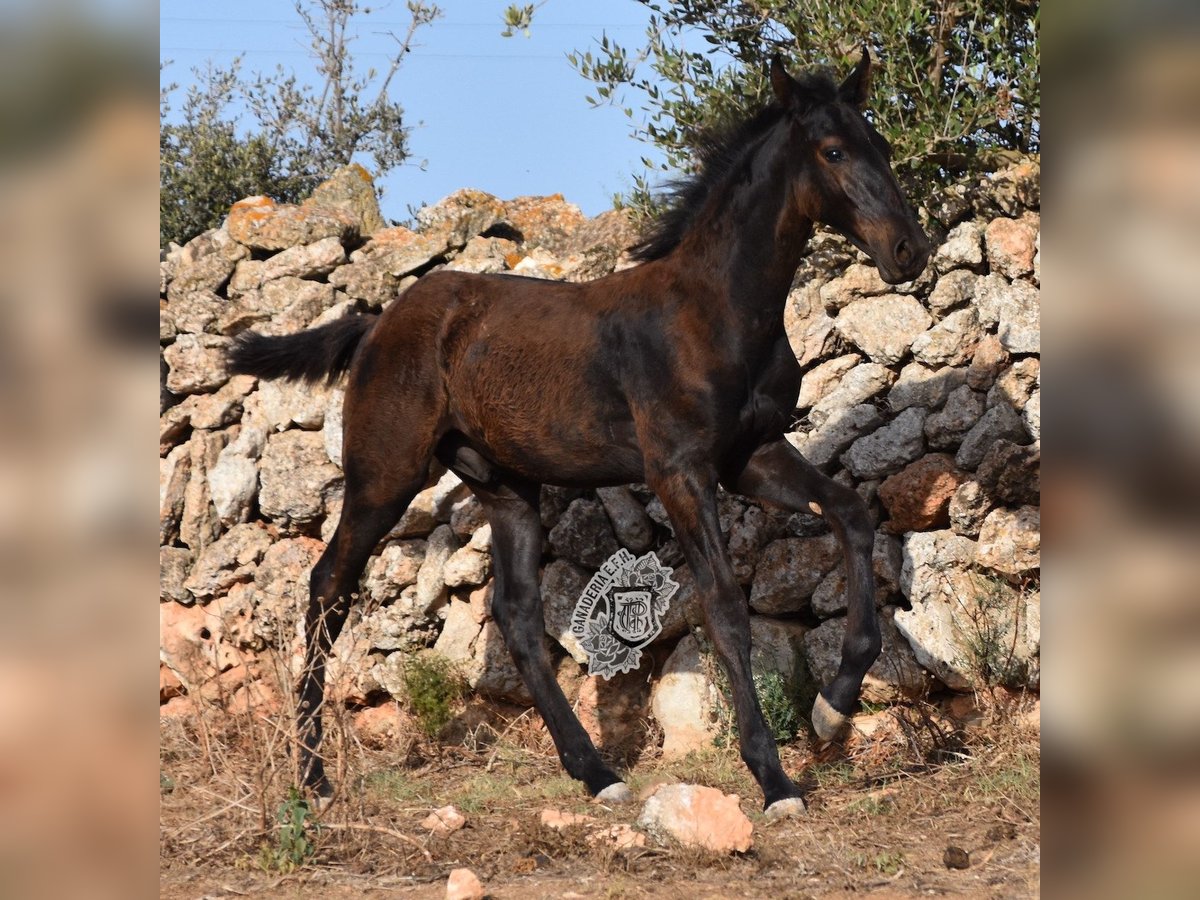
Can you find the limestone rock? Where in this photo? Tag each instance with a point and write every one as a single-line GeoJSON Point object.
{"type": "Point", "coordinates": [459, 632]}
{"type": "Point", "coordinates": [1016, 383]}
{"type": "Point", "coordinates": [1015, 308]}
{"type": "Point", "coordinates": [962, 249]}
{"type": "Point", "coordinates": [460, 216]}
{"type": "Point", "coordinates": [952, 341]}
{"type": "Point", "coordinates": [823, 378]}
{"type": "Point", "coordinates": [207, 267]}
{"type": "Point", "coordinates": [776, 646]}
{"type": "Point", "coordinates": [1011, 473]}
{"type": "Point", "coordinates": [970, 503]}
{"type": "Point", "coordinates": [684, 701]}
{"type": "Point", "coordinates": [584, 535]}
{"type": "Point", "coordinates": [965, 627]}
{"type": "Point", "coordinates": [917, 498]}
{"type": "Point", "coordinates": [402, 625]}
{"type": "Point", "coordinates": [752, 530]}
{"type": "Point", "coordinates": [946, 428]}
{"type": "Point", "coordinates": [431, 577]}
{"type": "Point", "coordinates": [859, 385]}
{"type": "Point", "coordinates": [198, 522]}
{"type": "Point", "coordinates": [195, 312]}
{"type": "Point", "coordinates": [1001, 422]}
{"type": "Point", "coordinates": [1010, 540]}
{"type": "Point", "coordinates": [174, 564]}
{"type": "Point", "coordinates": [467, 566]}
{"type": "Point", "coordinates": [483, 256]}
{"type": "Point", "coordinates": [261, 224]}
{"type": "Point", "coordinates": [463, 884]}
{"type": "Point", "coordinates": [988, 362]}
{"type": "Point", "coordinates": [371, 280]}
{"type": "Point", "coordinates": [231, 558]}
{"type": "Point", "coordinates": [823, 445]}
{"type": "Point", "coordinates": [614, 711]}
{"type": "Point", "coordinates": [857, 281]}
{"type": "Point", "coordinates": [286, 403]}
{"type": "Point", "coordinates": [281, 584]}
{"type": "Point", "coordinates": [895, 673]}
{"type": "Point", "coordinates": [331, 426]}
{"type": "Point", "coordinates": [632, 526]}
{"type": "Point", "coordinates": [919, 385]}
{"type": "Point", "coordinates": [952, 290]}
{"type": "Point", "coordinates": [548, 222]}
{"type": "Point", "coordinates": [829, 599]}
{"type": "Point", "coordinates": [563, 584]}
{"type": "Point", "coordinates": [1010, 246]}
{"type": "Point", "coordinates": [697, 816]}
{"type": "Point", "coordinates": [888, 448]}
{"type": "Point", "coordinates": [883, 327]}
{"type": "Point", "coordinates": [233, 481]}
{"type": "Point", "coordinates": [174, 470]}
{"type": "Point", "coordinates": [393, 570]}
{"type": "Point", "coordinates": [790, 570]}
{"type": "Point", "coordinates": [445, 820]}
{"type": "Point", "coordinates": [1032, 415]}
{"type": "Point", "coordinates": [350, 189]}
{"type": "Point", "coordinates": [197, 363]}
{"type": "Point", "coordinates": [491, 670]}
{"type": "Point", "coordinates": [297, 480]}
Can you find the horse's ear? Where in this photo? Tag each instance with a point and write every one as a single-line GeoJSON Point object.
{"type": "Point", "coordinates": [857, 87]}
{"type": "Point", "coordinates": [784, 86]}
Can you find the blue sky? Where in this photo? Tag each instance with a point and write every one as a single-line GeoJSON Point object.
{"type": "Point", "coordinates": [505, 115]}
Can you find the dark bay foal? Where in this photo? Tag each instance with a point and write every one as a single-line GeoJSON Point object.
{"type": "Point", "coordinates": [675, 372]}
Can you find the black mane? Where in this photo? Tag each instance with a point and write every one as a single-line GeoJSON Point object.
{"type": "Point", "coordinates": [719, 152]}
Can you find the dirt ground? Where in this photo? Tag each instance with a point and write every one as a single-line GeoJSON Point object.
{"type": "Point", "coordinates": [883, 810]}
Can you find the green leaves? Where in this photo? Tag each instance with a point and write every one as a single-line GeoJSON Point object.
{"type": "Point", "coordinates": [952, 78]}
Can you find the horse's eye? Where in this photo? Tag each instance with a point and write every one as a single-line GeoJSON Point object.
{"type": "Point", "coordinates": [835, 155]}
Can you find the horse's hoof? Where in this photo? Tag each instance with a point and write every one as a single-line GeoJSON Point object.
{"type": "Point", "coordinates": [787, 808]}
{"type": "Point", "coordinates": [617, 792]}
{"type": "Point", "coordinates": [827, 721]}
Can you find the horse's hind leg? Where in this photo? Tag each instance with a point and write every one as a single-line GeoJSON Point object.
{"type": "Point", "coordinates": [512, 510]}
{"type": "Point", "coordinates": [386, 463]}
{"type": "Point", "coordinates": [778, 473]}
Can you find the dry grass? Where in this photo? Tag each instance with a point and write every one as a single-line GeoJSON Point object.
{"type": "Point", "coordinates": [882, 812]}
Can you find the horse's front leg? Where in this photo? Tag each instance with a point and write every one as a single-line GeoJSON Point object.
{"type": "Point", "coordinates": [778, 473]}
{"type": "Point", "coordinates": [689, 496]}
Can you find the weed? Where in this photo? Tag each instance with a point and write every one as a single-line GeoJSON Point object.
{"type": "Point", "coordinates": [780, 695]}
{"type": "Point", "coordinates": [293, 847]}
{"type": "Point", "coordinates": [432, 687]}
{"type": "Point", "coordinates": [887, 863]}
{"type": "Point", "coordinates": [871, 806]}
{"type": "Point", "coordinates": [992, 632]}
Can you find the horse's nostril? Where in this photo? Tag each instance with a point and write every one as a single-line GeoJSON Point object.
{"type": "Point", "coordinates": [903, 252]}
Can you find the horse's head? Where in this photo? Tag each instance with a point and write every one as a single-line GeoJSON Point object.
{"type": "Point", "coordinates": [843, 176]}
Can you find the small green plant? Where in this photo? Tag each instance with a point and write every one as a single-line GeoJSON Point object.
{"type": "Point", "coordinates": [777, 695]}
{"type": "Point", "coordinates": [888, 863]}
{"type": "Point", "coordinates": [293, 846]}
{"type": "Point", "coordinates": [432, 686]}
{"type": "Point", "coordinates": [992, 636]}
{"type": "Point", "coordinates": [781, 696]}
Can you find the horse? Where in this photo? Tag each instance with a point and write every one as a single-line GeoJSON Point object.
{"type": "Point", "coordinates": [675, 372]}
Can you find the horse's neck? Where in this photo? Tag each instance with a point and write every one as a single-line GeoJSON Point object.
{"type": "Point", "coordinates": [753, 240]}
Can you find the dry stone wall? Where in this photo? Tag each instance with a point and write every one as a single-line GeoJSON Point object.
{"type": "Point", "coordinates": [924, 397]}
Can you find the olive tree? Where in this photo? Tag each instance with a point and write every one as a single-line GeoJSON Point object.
{"type": "Point", "coordinates": [274, 134]}
{"type": "Point", "coordinates": [954, 80]}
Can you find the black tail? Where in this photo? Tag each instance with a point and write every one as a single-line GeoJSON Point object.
{"type": "Point", "coordinates": [324, 352]}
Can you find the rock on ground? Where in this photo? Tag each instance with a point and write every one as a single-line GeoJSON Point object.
{"type": "Point", "coordinates": [697, 816]}
{"type": "Point", "coordinates": [463, 884]}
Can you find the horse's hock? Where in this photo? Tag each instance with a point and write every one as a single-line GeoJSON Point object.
{"type": "Point", "coordinates": [925, 397]}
